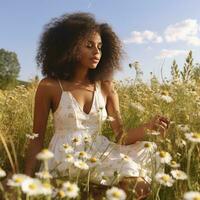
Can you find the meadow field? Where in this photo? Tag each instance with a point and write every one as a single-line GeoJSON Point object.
{"type": "Point", "coordinates": [179, 151]}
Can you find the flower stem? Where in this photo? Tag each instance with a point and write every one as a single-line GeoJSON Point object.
{"type": "Point", "coordinates": [188, 164]}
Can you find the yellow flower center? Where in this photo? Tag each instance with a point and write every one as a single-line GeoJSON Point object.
{"type": "Point", "coordinates": [18, 180]}
{"type": "Point", "coordinates": [116, 194]}
{"type": "Point", "coordinates": [147, 145]}
{"type": "Point", "coordinates": [68, 156]}
{"type": "Point", "coordinates": [75, 140]}
{"type": "Point", "coordinates": [162, 154]}
{"type": "Point", "coordinates": [61, 193]}
{"type": "Point", "coordinates": [196, 198]}
{"type": "Point", "coordinates": [69, 188]}
{"type": "Point", "coordinates": [93, 160]}
{"type": "Point", "coordinates": [32, 186]}
{"type": "Point", "coordinates": [173, 162]}
{"type": "Point", "coordinates": [166, 93]}
{"type": "Point", "coordinates": [45, 150]}
{"type": "Point", "coordinates": [165, 178]}
{"type": "Point", "coordinates": [196, 135]}
{"type": "Point", "coordinates": [65, 146]}
{"type": "Point", "coordinates": [46, 185]}
{"type": "Point", "coordinates": [81, 153]}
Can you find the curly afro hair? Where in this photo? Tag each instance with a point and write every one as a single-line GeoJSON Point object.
{"type": "Point", "coordinates": [57, 53]}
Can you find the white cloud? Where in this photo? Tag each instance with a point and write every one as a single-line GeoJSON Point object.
{"type": "Point", "coordinates": [143, 37]}
{"type": "Point", "coordinates": [167, 53]}
{"type": "Point", "coordinates": [186, 30]}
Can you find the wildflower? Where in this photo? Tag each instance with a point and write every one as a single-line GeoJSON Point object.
{"type": "Point", "coordinates": [179, 175]}
{"type": "Point", "coordinates": [138, 106]}
{"type": "Point", "coordinates": [192, 195]}
{"type": "Point", "coordinates": [17, 180]}
{"type": "Point", "coordinates": [110, 119]}
{"type": "Point", "coordinates": [69, 158]}
{"type": "Point", "coordinates": [67, 148]}
{"type": "Point", "coordinates": [45, 154]}
{"type": "Point", "coordinates": [152, 132]}
{"type": "Point", "coordinates": [32, 136]}
{"type": "Point", "coordinates": [92, 161]}
{"type": "Point", "coordinates": [174, 164]}
{"type": "Point", "coordinates": [32, 186]}
{"type": "Point", "coordinates": [87, 138]}
{"type": "Point", "coordinates": [115, 194]}
{"type": "Point", "coordinates": [193, 137]}
{"type": "Point", "coordinates": [81, 165]}
{"type": "Point", "coordinates": [71, 189]}
{"type": "Point", "coordinates": [164, 179]}
{"type": "Point", "coordinates": [125, 158]}
{"type": "Point", "coordinates": [150, 146]}
{"type": "Point", "coordinates": [61, 193]}
{"type": "Point", "coordinates": [46, 189]}
{"type": "Point", "coordinates": [81, 155]}
{"type": "Point", "coordinates": [43, 175]}
{"type": "Point", "coordinates": [2, 172]}
{"type": "Point", "coordinates": [164, 96]}
{"type": "Point", "coordinates": [76, 140]}
{"type": "Point", "coordinates": [163, 157]}
{"type": "Point", "coordinates": [183, 127]}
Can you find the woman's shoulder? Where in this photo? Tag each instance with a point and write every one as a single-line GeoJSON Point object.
{"type": "Point", "coordinates": [108, 87]}
{"type": "Point", "coordinates": [47, 82]}
{"type": "Point", "coordinates": [47, 85]}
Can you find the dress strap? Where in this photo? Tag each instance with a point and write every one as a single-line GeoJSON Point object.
{"type": "Point", "coordinates": [60, 85]}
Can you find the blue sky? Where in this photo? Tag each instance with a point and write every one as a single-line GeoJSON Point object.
{"type": "Point", "coordinates": [154, 32]}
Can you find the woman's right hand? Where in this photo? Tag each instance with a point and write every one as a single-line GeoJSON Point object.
{"type": "Point", "coordinates": [159, 123]}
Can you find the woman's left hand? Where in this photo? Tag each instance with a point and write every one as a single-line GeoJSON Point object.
{"type": "Point", "coordinates": [159, 123]}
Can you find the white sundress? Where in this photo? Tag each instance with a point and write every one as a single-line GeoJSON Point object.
{"type": "Point", "coordinates": [70, 122]}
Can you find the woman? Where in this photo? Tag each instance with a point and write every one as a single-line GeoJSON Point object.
{"type": "Point", "coordinates": [78, 58]}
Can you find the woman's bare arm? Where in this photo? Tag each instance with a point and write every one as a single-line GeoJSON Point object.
{"type": "Point", "coordinates": [41, 111]}
{"type": "Point", "coordinates": [125, 137]}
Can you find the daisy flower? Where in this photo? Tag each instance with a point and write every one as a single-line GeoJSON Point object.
{"type": "Point", "coordinates": [81, 165]}
{"type": "Point", "coordinates": [76, 140]}
{"type": "Point", "coordinates": [126, 158]}
{"type": "Point", "coordinates": [138, 106]}
{"type": "Point", "coordinates": [93, 161]}
{"type": "Point", "coordinates": [115, 194]}
{"type": "Point", "coordinates": [69, 158]}
{"type": "Point", "coordinates": [152, 132]}
{"type": "Point", "coordinates": [163, 157]}
{"type": "Point", "coordinates": [193, 137]}
{"type": "Point", "coordinates": [43, 175]}
{"type": "Point", "coordinates": [67, 148]}
{"type": "Point", "coordinates": [45, 154]}
{"type": "Point", "coordinates": [150, 146]}
{"type": "Point", "coordinates": [32, 186]}
{"type": "Point", "coordinates": [183, 127]}
{"type": "Point", "coordinates": [46, 189]}
{"type": "Point", "coordinates": [71, 189]}
{"type": "Point", "coordinates": [2, 172]}
{"type": "Point", "coordinates": [17, 180]}
{"type": "Point", "coordinates": [164, 96]}
{"type": "Point", "coordinates": [87, 138]}
{"type": "Point", "coordinates": [61, 193]}
{"type": "Point", "coordinates": [164, 179]}
{"type": "Point", "coordinates": [174, 164]}
{"type": "Point", "coordinates": [110, 119]}
{"type": "Point", "coordinates": [179, 175]}
{"type": "Point", "coordinates": [81, 155]}
{"type": "Point", "coordinates": [192, 195]}
{"type": "Point", "coordinates": [32, 136]}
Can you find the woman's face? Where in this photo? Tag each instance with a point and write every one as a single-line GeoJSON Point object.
{"type": "Point", "coordinates": [90, 51]}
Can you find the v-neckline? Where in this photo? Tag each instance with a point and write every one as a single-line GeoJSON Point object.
{"type": "Point", "coordinates": [77, 103]}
